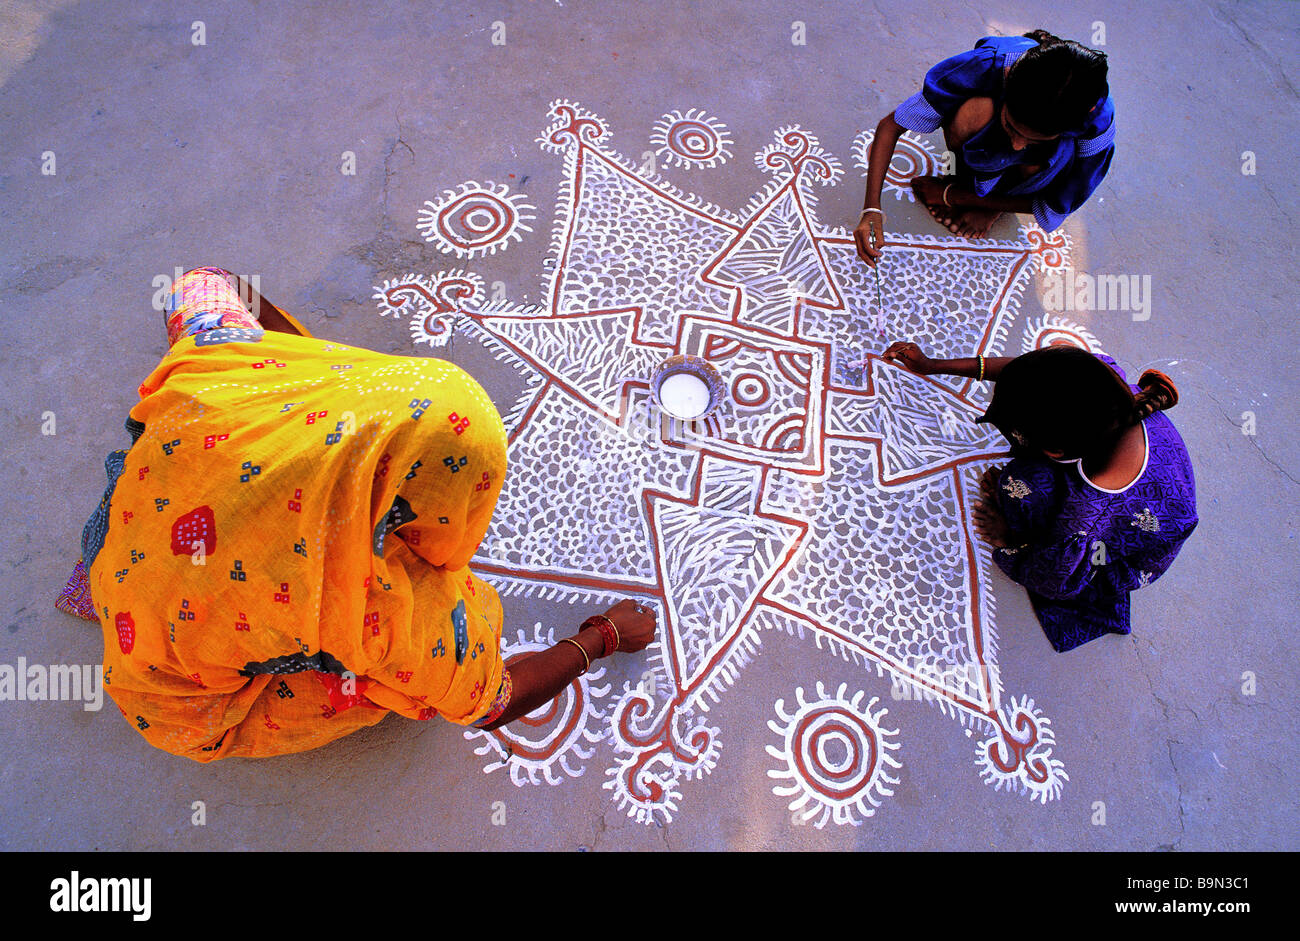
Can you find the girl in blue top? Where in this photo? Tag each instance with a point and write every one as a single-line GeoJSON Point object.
{"type": "Point", "coordinates": [1032, 126]}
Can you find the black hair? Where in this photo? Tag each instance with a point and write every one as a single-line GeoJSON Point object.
{"type": "Point", "coordinates": [1064, 399]}
{"type": "Point", "coordinates": [1055, 86]}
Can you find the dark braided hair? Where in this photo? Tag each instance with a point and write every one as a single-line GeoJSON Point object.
{"type": "Point", "coordinates": [1054, 87]}
{"type": "Point", "coordinates": [1158, 394]}
{"type": "Point", "coordinates": [1064, 399]}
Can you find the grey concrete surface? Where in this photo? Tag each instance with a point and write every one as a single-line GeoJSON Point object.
{"type": "Point", "coordinates": [175, 155]}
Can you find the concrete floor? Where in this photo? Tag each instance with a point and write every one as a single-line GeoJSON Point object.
{"type": "Point", "coordinates": [174, 155]}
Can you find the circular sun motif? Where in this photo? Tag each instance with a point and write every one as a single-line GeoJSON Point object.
{"type": "Point", "coordinates": [911, 159]}
{"type": "Point", "coordinates": [913, 156]}
{"type": "Point", "coordinates": [475, 219]}
{"type": "Point", "coordinates": [693, 139]}
{"type": "Point", "coordinates": [837, 757]}
{"type": "Point", "coordinates": [1050, 331]}
{"type": "Point", "coordinates": [555, 736]}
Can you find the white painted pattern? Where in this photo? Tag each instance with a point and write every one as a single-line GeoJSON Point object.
{"type": "Point", "coordinates": [828, 498]}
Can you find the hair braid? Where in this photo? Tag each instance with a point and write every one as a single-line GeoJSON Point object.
{"type": "Point", "coordinates": [1158, 394]}
{"type": "Point", "coordinates": [1043, 37]}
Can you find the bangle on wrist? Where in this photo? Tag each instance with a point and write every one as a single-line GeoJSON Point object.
{"type": "Point", "coordinates": [873, 209]}
{"type": "Point", "coordinates": [608, 632]}
{"type": "Point", "coordinates": [980, 377]}
{"type": "Point", "coordinates": [586, 659]}
{"type": "Point", "coordinates": [945, 196]}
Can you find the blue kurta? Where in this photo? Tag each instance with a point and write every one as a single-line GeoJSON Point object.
{"type": "Point", "coordinates": [1072, 165]}
{"type": "Point", "coordinates": [1086, 548]}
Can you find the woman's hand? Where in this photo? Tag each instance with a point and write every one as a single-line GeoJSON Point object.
{"type": "Point", "coordinates": [635, 623]}
{"type": "Point", "coordinates": [909, 356]}
{"type": "Point", "coordinates": [869, 235]}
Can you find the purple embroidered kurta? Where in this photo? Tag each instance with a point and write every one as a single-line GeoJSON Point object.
{"type": "Point", "coordinates": [1085, 548]}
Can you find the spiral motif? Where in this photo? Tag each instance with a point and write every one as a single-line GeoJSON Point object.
{"type": "Point", "coordinates": [1018, 755]}
{"type": "Point", "coordinates": [1051, 250]}
{"type": "Point", "coordinates": [795, 151]}
{"type": "Point", "coordinates": [574, 126]}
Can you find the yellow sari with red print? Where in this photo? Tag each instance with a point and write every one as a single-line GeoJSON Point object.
{"type": "Point", "coordinates": [285, 553]}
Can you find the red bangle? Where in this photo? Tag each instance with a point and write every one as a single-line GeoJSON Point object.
{"type": "Point", "coordinates": [608, 632]}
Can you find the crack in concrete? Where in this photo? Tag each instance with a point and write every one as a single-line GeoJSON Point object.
{"type": "Point", "coordinates": [1235, 423]}
{"type": "Point", "coordinates": [388, 173]}
{"type": "Point", "coordinates": [600, 828]}
{"type": "Point", "coordinates": [978, 16]}
{"type": "Point", "coordinates": [1268, 190]}
{"type": "Point", "coordinates": [1223, 16]}
{"type": "Point", "coordinates": [49, 275]}
{"type": "Point", "coordinates": [884, 23]}
{"type": "Point", "coordinates": [1169, 743]}
{"type": "Point", "coordinates": [1182, 811]}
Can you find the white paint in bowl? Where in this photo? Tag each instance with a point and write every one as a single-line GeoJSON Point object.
{"type": "Point", "coordinates": [683, 395]}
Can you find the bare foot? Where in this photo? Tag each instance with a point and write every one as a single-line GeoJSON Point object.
{"type": "Point", "coordinates": [969, 223]}
{"type": "Point", "coordinates": [950, 219]}
{"type": "Point", "coordinates": [991, 525]}
{"type": "Point", "coordinates": [929, 192]}
{"type": "Point", "coordinates": [975, 223]}
{"type": "Point", "coordinates": [989, 485]}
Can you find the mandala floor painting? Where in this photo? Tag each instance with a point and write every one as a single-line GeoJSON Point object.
{"type": "Point", "coordinates": [827, 498]}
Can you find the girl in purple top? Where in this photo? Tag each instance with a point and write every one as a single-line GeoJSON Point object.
{"type": "Point", "coordinates": [1032, 126]}
{"type": "Point", "coordinates": [1099, 495]}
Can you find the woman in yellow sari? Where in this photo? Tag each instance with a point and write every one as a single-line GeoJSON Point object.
{"type": "Point", "coordinates": [281, 557]}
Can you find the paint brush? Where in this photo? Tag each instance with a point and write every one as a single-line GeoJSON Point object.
{"type": "Point", "coordinates": [880, 308]}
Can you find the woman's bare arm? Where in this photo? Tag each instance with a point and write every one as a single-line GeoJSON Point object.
{"type": "Point", "coordinates": [908, 355]}
{"type": "Point", "coordinates": [888, 131]}
{"type": "Point", "coordinates": [538, 678]}
{"type": "Point", "coordinates": [267, 314]}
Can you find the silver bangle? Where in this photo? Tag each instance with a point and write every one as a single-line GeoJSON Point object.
{"type": "Point", "coordinates": [873, 209]}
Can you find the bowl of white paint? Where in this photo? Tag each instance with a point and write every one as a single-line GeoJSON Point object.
{"type": "Point", "coordinates": [687, 387]}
